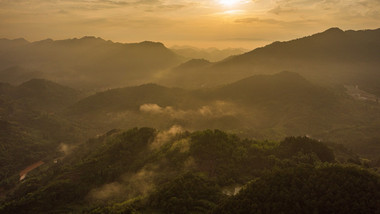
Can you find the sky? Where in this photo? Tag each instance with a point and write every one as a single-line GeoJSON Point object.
{"type": "Point", "coordinates": [202, 23]}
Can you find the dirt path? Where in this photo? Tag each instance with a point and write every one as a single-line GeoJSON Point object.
{"type": "Point", "coordinates": [24, 172]}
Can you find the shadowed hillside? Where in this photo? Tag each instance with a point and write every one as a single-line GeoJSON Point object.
{"type": "Point", "coordinates": [143, 170]}
{"type": "Point", "coordinates": [283, 87]}
{"type": "Point", "coordinates": [40, 95]}
{"type": "Point", "coordinates": [32, 127]}
{"type": "Point", "coordinates": [88, 62]}
{"type": "Point", "coordinates": [261, 106]}
{"type": "Point", "coordinates": [330, 57]}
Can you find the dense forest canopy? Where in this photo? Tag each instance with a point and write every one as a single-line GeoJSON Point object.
{"type": "Point", "coordinates": [144, 170]}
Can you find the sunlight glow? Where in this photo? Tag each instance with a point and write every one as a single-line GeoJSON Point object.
{"type": "Point", "coordinates": [229, 2]}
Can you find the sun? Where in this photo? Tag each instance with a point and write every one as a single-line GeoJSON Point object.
{"type": "Point", "coordinates": [228, 2]}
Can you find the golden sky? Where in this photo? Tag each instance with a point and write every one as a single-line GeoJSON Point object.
{"type": "Point", "coordinates": [202, 23]}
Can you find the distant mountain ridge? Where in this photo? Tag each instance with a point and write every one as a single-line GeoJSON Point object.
{"type": "Point", "coordinates": [330, 57]}
{"type": "Point", "coordinates": [341, 45]}
{"type": "Point", "coordinates": [210, 54]}
{"type": "Point", "coordinates": [193, 63]}
{"type": "Point", "coordinates": [88, 62]}
{"type": "Point", "coordinates": [281, 88]}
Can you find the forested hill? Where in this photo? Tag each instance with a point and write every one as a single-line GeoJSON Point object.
{"type": "Point", "coordinates": [283, 87]}
{"type": "Point", "coordinates": [42, 95]}
{"type": "Point", "coordinates": [145, 171]}
{"type": "Point", "coordinates": [330, 57]}
{"type": "Point", "coordinates": [260, 106]}
{"type": "Point", "coordinates": [31, 126]}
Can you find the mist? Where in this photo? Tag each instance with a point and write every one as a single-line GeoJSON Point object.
{"type": "Point", "coordinates": [109, 127]}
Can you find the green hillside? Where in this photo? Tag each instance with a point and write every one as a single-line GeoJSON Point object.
{"type": "Point", "coordinates": [143, 170]}
{"type": "Point", "coordinates": [260, 106]}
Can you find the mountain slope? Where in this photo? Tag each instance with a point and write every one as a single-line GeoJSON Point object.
{"type": "Point", "coordinates": [139, 170]}
{"type": "Point", "coordinates": [16, 75]}
{"type": "Point", "coordinates": [40, 95]}
{"type": "Point", "coordinates": [19, 149]}
{"type": "Point", "coordinates": [283, 87]}
{"type": "Point", "coordinates": [88, 62]}
{"type": "Point", "coordinates": [35, 107]}
{"type": "Point", "coordinates": [261, 106]}
{"type": "Point", "coordinates": [287, 191]}
{"type": "Point", "coordinates": [330, 57]}
{"type": "Point", "coordinates": [131, 98]}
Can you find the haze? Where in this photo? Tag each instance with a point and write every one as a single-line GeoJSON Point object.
{"type": "Point", "coordinates": [209, 107]}
{"type": "Point", "coordinates": [202, 23]}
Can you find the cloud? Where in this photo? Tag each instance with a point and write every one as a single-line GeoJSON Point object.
{"type": "Point", "coordinates": [66, 148]}
{"type": "Point", "coordinates": [108, 191]}
{"type": "Point", "coordinates": [142, 182]}
{"type": "Point", "coordinates": [164, 136]}
{"type": "Point", "coordinates": [325, 8]}
{"type": "Point", "coordinates": [271, 22]}
{"type": "Point", "coordinates": [129, 186]}
{"type": "Point", "coordinates": [281, 10]}
{"type": "Point", "coordinates": [151, 108]}
{"type": "Point", "coordinates": [214, 110]}
{"type": "Point", "coordinates": [172, 7]}
{"type": "Point", "coordinates": [258, 20]}
{"type": "Point", "coordinates": [218, 109]}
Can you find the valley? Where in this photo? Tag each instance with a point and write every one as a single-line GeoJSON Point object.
{"type": "Point", "coordinates": [95, 126]}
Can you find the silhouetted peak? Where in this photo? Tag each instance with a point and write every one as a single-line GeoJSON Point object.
{"type": "Point", "coordinates": [74, 41]}
{"type": "Point", "coordinates": [198, 61]}
{"type": "Point", "coordinates": [44, 85]}
{"type": "Point", "coordinates": [37, 83]}
{"type": "Point", "coordinates": [150, 86]}
{"type": "Point", "coordinates": [333, 30]}
{"type": "Point", "coordinates": [45, 41]}
{"type": "Point", "coordinates": [193, 63]}
{"type": "Point", "coordinates": [91, 38]}
{"type": "Point", "coordinates": [152, 44]}
{"type": "Point", "coordinates": [332, 33]}
{"type": "Point", "coordinates": [18, 41]}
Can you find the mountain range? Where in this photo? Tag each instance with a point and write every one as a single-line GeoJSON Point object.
{"type": "Point", "coordinates": [104, 127]}
{"type": "Point", "coordinates": [261, 106]}
{"type": "Point", "coordinates": [332, 57]}
{"type": "Point", "coordinates": [210, 54]}
{"type": "Point", "coordinates": [81, 63]}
